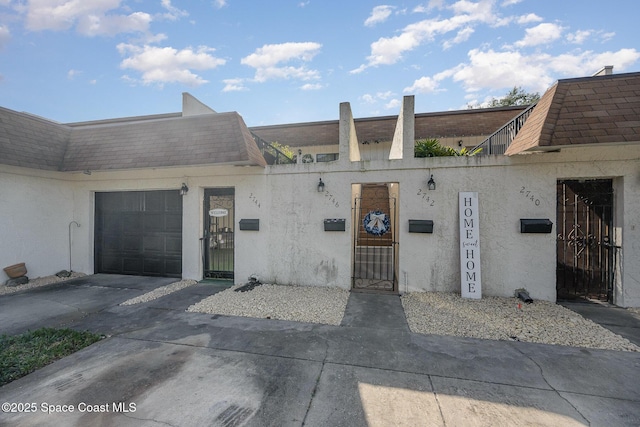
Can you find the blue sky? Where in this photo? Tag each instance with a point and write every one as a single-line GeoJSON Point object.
{"type": "Point", "coordinates": [284, 61]}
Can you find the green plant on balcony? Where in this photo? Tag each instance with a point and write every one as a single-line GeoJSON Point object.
{"type": "Point", "coordinates": [432, 148]}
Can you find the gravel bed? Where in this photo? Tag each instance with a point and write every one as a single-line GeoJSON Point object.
{"type": "Point", "coordinates": [160, 292]}
{"type": "Point", "coordinates": [37, 282]}
{"type": "Point", "coordinates": [312, 304]}
{"type": "Point", "coordinates": [506, 319]}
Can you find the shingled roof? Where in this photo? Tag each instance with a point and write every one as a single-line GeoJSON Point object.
{"type": "Point", "coordinates": [30, 141]}
{"type": "Point", "coordinates": [151, 141]}
{"type": "Point", "coordinates": [180, 141]}
{"type": "Point", "coordinates": [427, 125]}
{"type": "Point", "coordinates": [591, 110]}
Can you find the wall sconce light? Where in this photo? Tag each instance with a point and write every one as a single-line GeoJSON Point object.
{"type": "Point", "coordinates": [431, 184]}
{"type": "Point", "coordinates": [184, 189]}
{"type": "Point", "coordinates": [320, 186]}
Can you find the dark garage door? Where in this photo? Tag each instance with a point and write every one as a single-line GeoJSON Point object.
{"type": "Point", "coordinates": [139, 232]}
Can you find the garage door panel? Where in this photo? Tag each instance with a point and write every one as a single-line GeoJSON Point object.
{"type": "Point", "coordinates": [154, 222]}
{"type": "Point", "coordinates": [132, 222]}
{"type": "Point", "coordinates": [173, 222]}
{"type": "Point", "coordinates": [173, 266]}
{"type": "Point", "coordinates": [154, 201]}
{"type": "Point", "coordinates": [173, 245]}
{"type": "Point", "coordinates": [112, 243]}
{"type": "Point", "coordinates": [111, 264]}
{"type": "Point", "coordinates": [139, 233]}
{"type": "Point", "coordinates": [131, 265]}
{"type": "Point", "coordinates": [153, 243]}
{"type": "Point", "coordinates": [132, 243]}
{"type": "Point", "coordinates": [173, 203]}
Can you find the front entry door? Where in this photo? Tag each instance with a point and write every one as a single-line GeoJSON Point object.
{"type": "Point", "coordinates": [585, 249]}
{"type": "Point", "coordinates": [218, 238]}
{"type": "Point", "coordinates": [375, 247]}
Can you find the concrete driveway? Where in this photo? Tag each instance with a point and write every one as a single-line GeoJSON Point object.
{"type": "Point", "coordinates": [163, 366]}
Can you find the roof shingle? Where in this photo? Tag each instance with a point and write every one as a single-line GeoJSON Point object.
{"type": "Point", "coordinates": [590, 110]}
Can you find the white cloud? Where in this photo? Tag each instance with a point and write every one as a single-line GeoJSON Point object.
{"type": "Point", "coordinates": [498, 70]}
{"type": "Point", "coordinates": [579, 36]}
{"type": "Point", "coordinates": [95, 25]}
{"type": "Point", "coordinates": [368, 98]}
{"type": "Point", "coordinates": [311, 86]}
{"type": "Point", "coordinates": [526, 19]}
{"type": "Point", "coordinates": [378, 96]}
{"type": "Point", "coordinates": [173, 13]}
{"type": "Point", "coordinates": [5, 36]}
{"type": "Point", "coordinates": [234, 85]}
{"type": "Point", "coordinates": [160, 65]}
{"type": "Point", "coordinates": [510, 2]}
{"type": "Point", "coordinates": [91, 18]}
{"type": "Point", "coordinates": [462, 36]}
{"type": "Point", "coordinates": [389, 50]}
{"type": "Point", "coordinates": [586, 63]}
{"type": "Point", "coordinates": [219, 3]}
{"type": "Point", "coordinates": [378, 14]}
{"type": "Point", "coordinates": [393, 104]}
{"type": "Point", "coordinates": [71, 74]}
{"type": "Point", "coordinates": [490, 71]}
{"type": "Point", "coordinates": [423, 85]}
{"type": "Point", "coordinates": [540, 34]}
{"type": "Point", "coordinates": [269, 61]}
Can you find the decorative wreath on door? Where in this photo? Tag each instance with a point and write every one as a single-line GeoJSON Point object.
{"type": "Point", "coordinates": [376, 223]}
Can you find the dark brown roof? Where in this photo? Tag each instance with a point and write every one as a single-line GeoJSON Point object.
{"type": "Point", "coordinates": [151, 141]}
{"type": "Point", "coordinates": [427, 125]}
{"type": "Point", "coordinates": [181, 141]}
{"type": "Point", "coordinates": [30, 141]}
{"type": "Point", "coordinates": [590, 110]}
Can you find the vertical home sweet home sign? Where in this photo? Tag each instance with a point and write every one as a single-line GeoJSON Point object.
{"type": "Point", "coordinates": [471, 282]}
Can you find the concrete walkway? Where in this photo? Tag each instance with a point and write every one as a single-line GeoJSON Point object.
{"type": "Point", "coordinates": [163, 366]}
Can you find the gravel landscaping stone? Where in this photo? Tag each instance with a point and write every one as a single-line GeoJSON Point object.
{"type": "Point", "coordinates": [436, 313]}
{"type": "Point", "coordinates": [37, 282]}
{"type": "Point", "coordinates": [312, 304]}
{"type": "Point", "coordinates": [160, 292]}
{"type": "Point", "coordinates": [506, 319]}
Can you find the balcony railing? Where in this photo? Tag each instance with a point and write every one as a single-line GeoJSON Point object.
{"type": "Point", "coordinates": [499, 141]}
{"type": "Point", "coordinates": [271, 154]}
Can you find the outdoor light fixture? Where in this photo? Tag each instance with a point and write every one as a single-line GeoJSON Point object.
{"type": "Point", "coordinates": [431, 184]}
{"type": "Point", "coordinates": [320, 186]}
{"type": "Point", "coordinates": [184, 189]}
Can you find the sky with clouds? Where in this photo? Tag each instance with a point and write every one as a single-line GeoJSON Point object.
{"type": "Point", "coordinates": [285, 61]}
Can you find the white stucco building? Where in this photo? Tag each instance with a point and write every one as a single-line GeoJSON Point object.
{"type": "Point", "coordinates": [375, 225]}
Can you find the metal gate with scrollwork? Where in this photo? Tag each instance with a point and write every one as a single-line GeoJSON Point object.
{"type": "Point", "coordinates": [374, 239]}
{"type": "Point", "coordinates": [585, 250]}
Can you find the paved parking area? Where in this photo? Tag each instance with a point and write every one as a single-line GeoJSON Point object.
{"type": "Point", "coordinates": [163, 366]}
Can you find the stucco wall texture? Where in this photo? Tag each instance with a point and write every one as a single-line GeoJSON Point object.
{"type": "Point", "coordinates": [292, 247]}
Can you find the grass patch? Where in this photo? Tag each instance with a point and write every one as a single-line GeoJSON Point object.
{"type": "Point", "coordinates": [22, 354]}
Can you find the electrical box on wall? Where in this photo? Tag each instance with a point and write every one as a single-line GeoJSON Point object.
{"type": "Point", "coordinates": [420, 226]}
{"type": "Point", "coordinates": [536, 225]}
{"type": "Point", "coordinates": [334, 224]}
{"type": "Point", "coordinates": [250, 224]}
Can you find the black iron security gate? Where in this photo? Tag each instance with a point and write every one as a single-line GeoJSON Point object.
{"type": "Point", "coordinates": [585, 249]}
{"type": "Point", "coordinates": [374, 240]}
{"type": "Point", "coordinates": [218, 238]}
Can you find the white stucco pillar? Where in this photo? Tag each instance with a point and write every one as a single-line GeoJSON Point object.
{"type": "Point", "coordinates": [404, 135]}
{"type": "Point", "coordinates": [348, 139]}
